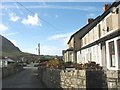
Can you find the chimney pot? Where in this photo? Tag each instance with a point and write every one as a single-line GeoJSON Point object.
{"type": "Point", "coordinates": [90, 20]}
{"type": "Point", "coordinates": [106, 6]}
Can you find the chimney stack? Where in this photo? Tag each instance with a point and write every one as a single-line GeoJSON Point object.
{"type": "Point", "coordinates": [106, 6]}
{"type": "Point", "coordinates": [90, 20]}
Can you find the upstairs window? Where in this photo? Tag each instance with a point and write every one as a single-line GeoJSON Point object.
{"type": "Point", "coordinates": [99, 30]}
{"type": "Point", "coordinates": [109, 23]}
{"type": "Point", "coordinates": [117, 11]}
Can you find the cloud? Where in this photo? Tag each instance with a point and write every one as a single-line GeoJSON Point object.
{"type": "Point", "coordinates": [32, 20]}
{"type": "Point", "coordinates": [9, 34]}
{"type": "Point", "coordinates": [58, 36]}
{"type": "Point", "coordinates": [82, 8]}
{"type": "Point", "coordinates": [3, 28]}
{"type": "Point", "coordinates": [59, 0]}
{"type": "Point", "coordinates": [61, 37]}
{"type": "Point", "coordinates": [5, 32]}
{"type": "Point", "coordinates": [14, 17]}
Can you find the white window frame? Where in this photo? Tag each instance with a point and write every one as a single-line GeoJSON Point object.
{"type": "Point", "coordinates": [116, 54]}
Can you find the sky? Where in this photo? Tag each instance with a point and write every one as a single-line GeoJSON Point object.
{"type": "Point", "coordinates": [49, 23]}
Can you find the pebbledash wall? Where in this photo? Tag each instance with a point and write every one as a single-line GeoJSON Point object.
{"type": "Point", "coordinates": [55, 78]}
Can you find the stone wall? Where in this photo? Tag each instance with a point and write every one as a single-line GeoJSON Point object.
{"type": "Point", "coordinates": [55, 78]}
{"type": "Point", "coordinates": [113, 79]}
{"type": "Point", "coordinates": [73, 79]}
{"type": "Point", "coordinates": [6, 71]}
{"type": "Point", "coordinates": [51, 78]}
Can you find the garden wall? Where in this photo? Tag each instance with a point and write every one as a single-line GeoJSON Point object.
{"type": "Point", "coordinates": [6, 71]}
{"type": "Point", "coordinates": [55, 78]}
{"type": "Point", "coordinates": [113, 79]}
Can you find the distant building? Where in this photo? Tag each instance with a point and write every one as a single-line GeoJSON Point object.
{"type": "Point", "coordinates": [4, 62]}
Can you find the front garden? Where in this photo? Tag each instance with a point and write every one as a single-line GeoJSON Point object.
{"type": "Point", "coordinates": [57, 64]}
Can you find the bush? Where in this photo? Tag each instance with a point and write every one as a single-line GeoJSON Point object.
{"type": "Point", "coordinates": [60, 65]}
{"type": "Point", "coordinates": [53, 63]}
{"type": "Point", "coordinates": [89, 65]}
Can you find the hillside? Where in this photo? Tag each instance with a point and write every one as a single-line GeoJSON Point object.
{"type": "Point", "coordinates": [7, 48]}
{"type": "Point", "coordinates": [8, 45]}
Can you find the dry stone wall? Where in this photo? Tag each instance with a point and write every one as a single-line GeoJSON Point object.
{"type": "Point", "coordinates": [80, 79]}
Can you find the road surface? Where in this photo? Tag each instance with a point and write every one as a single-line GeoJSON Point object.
{"type": "Point", "coordinates": [27, 78]}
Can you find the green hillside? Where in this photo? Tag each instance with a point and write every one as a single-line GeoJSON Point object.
{"type": "Point", "coordinates": [7, 48]}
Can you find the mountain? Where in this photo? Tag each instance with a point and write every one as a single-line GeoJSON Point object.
{"type": "Point", "coordinates": [7, 48]}
{"type": "Point", "coordinates": [8, 45]}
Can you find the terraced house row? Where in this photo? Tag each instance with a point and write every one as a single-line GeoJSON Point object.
{"type": "Point", "coordinates": [98, 41]}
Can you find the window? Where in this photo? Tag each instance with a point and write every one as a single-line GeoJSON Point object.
{"type": "Point", "coordinates": [99, 30]}
{"type": "Point", "coordinates": [112, 54]}
{"type": "Point", "coordinates": [117, 10]}
{"type": "Point", "coordinates": [81, 42]}
{"type": "Point", "coordinates": [109, 23]}
{"type": "Point", "coordinates": [118, 46]}
{"type": "Point", "coordinates": [93, 33]}
{"type": "Point", "coordinates": [85, 40]}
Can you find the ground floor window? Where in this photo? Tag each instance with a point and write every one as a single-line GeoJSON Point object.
{"type": "Point", "coordinates": [112, 54]}
{"type": "Point", "coordinates": [118, 46]}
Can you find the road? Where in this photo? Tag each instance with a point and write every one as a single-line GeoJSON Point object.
{"type": "Point", "coordinates": [27, 78]}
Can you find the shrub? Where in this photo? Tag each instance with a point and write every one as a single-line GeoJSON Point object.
{"type": "Point", "coordinates": [53, 63]}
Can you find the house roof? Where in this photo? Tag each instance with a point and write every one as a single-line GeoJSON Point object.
{"type": "Point", "coordinates": [83, 29]}
{"type": "Point", "coordinates": [114, 4]}
{"type": "Point", "coordinates": [70, 49]}
{"type": "Point", "coordinates": [7, 59]}
{"type": "Point", "coordinates": [89, 26]}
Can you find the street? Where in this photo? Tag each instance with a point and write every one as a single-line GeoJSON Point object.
{"type": "Point", "coordinates": [27, 78]}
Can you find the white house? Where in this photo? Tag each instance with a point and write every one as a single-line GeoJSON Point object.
{"type": "Point", "coordinates": [98, 41]}
{"type": "Point", "coordinates": [102, 41]}
{"type": "Point", "coordinates": [5, 62]}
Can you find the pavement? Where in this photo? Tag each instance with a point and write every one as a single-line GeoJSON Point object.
{"type": "Point", "coordinates": [28, 78]}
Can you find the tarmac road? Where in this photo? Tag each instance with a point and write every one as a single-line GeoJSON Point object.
{"type": "Point", "coordinates": [27, 78]}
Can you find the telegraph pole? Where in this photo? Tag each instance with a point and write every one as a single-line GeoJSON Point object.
{"type": "Point", "coordinates": [39, 50]}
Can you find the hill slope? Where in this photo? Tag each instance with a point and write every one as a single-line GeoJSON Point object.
{"type": "Point", "coordinates": [8, 45]}
{"type": "Point", "coordinates": [7, 48]}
